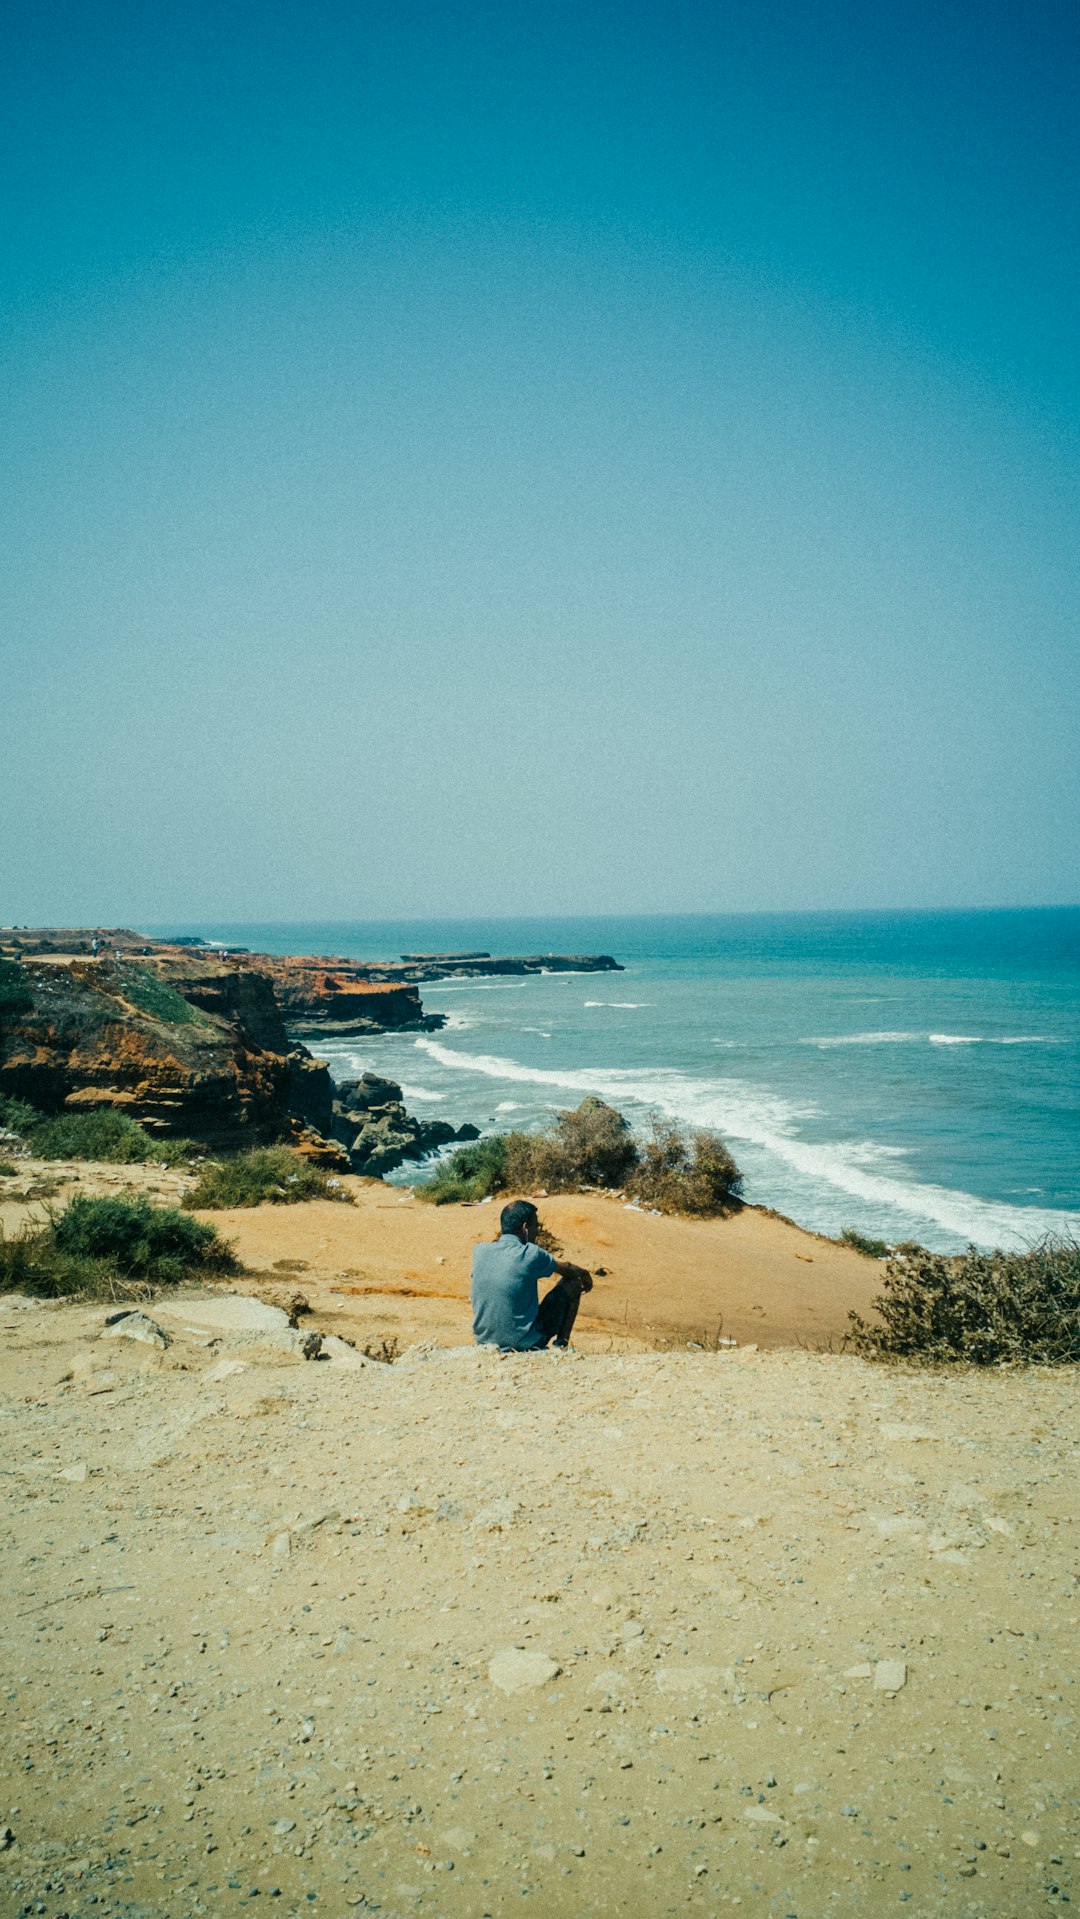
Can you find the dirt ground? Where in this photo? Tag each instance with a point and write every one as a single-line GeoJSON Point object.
{"type": "Point", "coordinates": [622, 1632]}
{"type": "Point", "coordinates": [389, 1266]}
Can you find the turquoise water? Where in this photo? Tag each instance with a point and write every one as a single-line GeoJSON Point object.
{"type": "Point", "coordinates": [916, 1075]}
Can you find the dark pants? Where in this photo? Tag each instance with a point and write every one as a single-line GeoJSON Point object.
{"type": "Point", "coordinates": [558, 1310]}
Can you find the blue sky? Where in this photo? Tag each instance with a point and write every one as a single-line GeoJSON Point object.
{"type": "Point", "coordinates": [555, 458]}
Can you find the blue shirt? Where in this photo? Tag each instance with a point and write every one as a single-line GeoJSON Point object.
{"type": "Point", "coordinates": [504, 1293]}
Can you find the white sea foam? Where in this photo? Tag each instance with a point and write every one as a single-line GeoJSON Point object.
{"type": "Point", "coordinates": [981, 1039]}
{"type": "Point", "coordinates": [932, 1039]}
{"type": "Point", "coordinates": [628, 1005]}
{"type": "Point", "coordinates": [508, 1106]}
{"type": "Point", "coordinates": [863, 1039]}
{"type": "Point", "coordinates": [421, 1093]}
{"type": "Point", "coordinates": [743, 1111]}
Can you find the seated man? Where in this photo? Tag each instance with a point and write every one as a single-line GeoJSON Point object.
{"type": "Point", "coordinates": [507, 1309]}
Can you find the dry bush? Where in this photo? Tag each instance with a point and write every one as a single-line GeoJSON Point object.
{"type": "Point", "coordinates": [986, 1308]}
{"type": "Point", "coordinates": [683, 1171]}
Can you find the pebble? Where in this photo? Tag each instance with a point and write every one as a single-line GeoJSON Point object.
{"type": "Point", "coordinates": [515, 1670]}
{"type": "Point", "coordinates": [890, 1675]}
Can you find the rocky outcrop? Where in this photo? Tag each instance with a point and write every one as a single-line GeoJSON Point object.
{"type": "Point", "coordinates": [339, 998]}
{"type": "Point", "coordinates": [371, 1122]}
{"type": "Point", "coordinates": [189, 1048]}
{"type": "Point", "coordinates": [433, 966]}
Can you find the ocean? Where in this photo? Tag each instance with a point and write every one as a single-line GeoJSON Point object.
{"type": "Point", "coordinates": [915, 1075]}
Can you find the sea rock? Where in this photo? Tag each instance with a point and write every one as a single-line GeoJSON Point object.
{"type": "Point", "coordinates": [515, 1670]}
{"type": "Point", "coordinates": [370, 1118]}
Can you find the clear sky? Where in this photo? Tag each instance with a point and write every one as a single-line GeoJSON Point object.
{"type": "Point", "coordinates": [463, 458]}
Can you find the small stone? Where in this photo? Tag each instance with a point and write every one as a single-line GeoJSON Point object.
{"type": "Point", "coordinates": [516, 1671]}
{"type": "Point", "coordinates": [75, 1475]}
{"type": "Point", "coordinates": [498, 1515]}
{"type": "Point", "coordinates": [890, 1675]}
{"type": "Point", "coordinates": [858, 1672]}
{"type": "Point", "coordinates": [281, 1547]}
{"type": "Point", "coordinates": [1029, 1838]}
{"type": "Point", "coordinates": [764, 1815]}
{"type": "Point", "coordinates": [136, 1326]}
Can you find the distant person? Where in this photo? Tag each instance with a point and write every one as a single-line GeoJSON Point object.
{"type": "Point", "coordinates": [507, 1309]}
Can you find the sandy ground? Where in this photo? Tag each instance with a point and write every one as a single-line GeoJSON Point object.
{"type": "Point", "coordinates": [390, 1266]}
{"type": "Point", "coordinates": [799, 1633]}
{"type": "Point", "coordinates": [621, 1632]}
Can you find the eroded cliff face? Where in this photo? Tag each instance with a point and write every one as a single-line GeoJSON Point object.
{"type": "Point", "coordinates": [189, 1047]}
{"type": "Point", "coordinates": [338, 997]}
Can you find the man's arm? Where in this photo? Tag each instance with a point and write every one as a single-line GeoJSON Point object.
{"type": "Point", "coordinates": [567, 1270]}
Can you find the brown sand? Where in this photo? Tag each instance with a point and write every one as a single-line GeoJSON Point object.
{"type": "Point", "coordinates": [389, 1265]}
{"type": "Point", "coordinates": [753, 1277]}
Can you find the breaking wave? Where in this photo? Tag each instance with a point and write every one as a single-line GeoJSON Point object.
{"type": "Point", "coordinates": [862, 1170]}
{"type": "Point", "coordinates": [932, 1039]}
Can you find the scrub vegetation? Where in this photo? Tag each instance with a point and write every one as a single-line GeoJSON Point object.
{"type": "Point", "coordinates": [99, 1134]}
{"type": "Point", "coordinates": [989, 1309]}
{"type": "Point", "coordinates": [269, 1173]}
{"type": "Point", "coordinates": [111, 1249]}
{"type": "Point", "coordinates": [675, 1170]}
{"type": "Point", "coordinates": [863, 1243]}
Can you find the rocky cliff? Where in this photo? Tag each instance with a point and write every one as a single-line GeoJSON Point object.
{"type": "Point", "coordinates": [188, 1046]}
{"type": "Point", "coordinates": [339, 997]}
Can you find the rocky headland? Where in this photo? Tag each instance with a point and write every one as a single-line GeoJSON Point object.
{"type": "Point", "coordinates": [208, 1044]}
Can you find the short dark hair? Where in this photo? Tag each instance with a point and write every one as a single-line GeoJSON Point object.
{"type": "Point", "coordinates": [520, 1213]}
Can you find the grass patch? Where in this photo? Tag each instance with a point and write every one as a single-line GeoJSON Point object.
{"type": "Point", "coordinates": [273, 1174]}
{"type": "Point", "coordinates": [862, 1243]}
{"type": "Point", "coordinates": [156, 997]}
{"type": "Point", "coordinates": [111, 1249]}
{"type": "Point", "coordinates": [988, 1309]}
{"type": "Point", "coordinates": [677, 1170]}
{"type": "Point", "coordinates": [99, 1134]}
{"type": "Point", "coordinates": [103, 1134]}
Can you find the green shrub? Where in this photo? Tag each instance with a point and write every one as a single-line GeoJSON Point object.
{"type": "Point", "coordinates": [861, 1243]}
{"type": "Point", "coordinates": [16, 1116]}
{"type": "Point", "coordinates": [106, 1247]}
{"type": "Point", "coordinates": [985, 1308]}
{"type": "Point", "coordinates": [269, 1173]}
{"type": "Point", "coordinates": [683, 1171]}
{"type": "Point", "coordinates": [156, 997]}
{"type": "Point", "coordinates": [469, 1173]}
{"type": "Point", "coordinates": [103, 1134]}
{"type": "Point", "coordinates": [676, 1171]}
{"type": "Point", "coordinates": [8, 1169]}
{"type": "Point", "coordinates": [590, 1146]}
{"type": "Point", "coordinates": [15, 994]}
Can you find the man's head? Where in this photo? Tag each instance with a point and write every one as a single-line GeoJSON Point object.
{"type": "Point", "coordinates": [521, 1219]}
